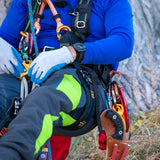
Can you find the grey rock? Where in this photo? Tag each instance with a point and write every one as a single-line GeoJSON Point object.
{"type": "Point", "coordinates": [141, 73]}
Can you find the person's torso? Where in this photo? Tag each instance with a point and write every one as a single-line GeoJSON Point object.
{"type": "Point", "coordinates": [47, 35]}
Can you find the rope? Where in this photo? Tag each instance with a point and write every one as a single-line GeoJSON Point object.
{"type": "Point", "coordinates": [24, 84]}
{"type": "Point", "coordinates": [49, 151]}
{"type": "Point", "coordinates": [36, 8]}
{"type": "Point", "coordinates": [24, 88]}
{"type": "Point", "coordinates": [32, 27]}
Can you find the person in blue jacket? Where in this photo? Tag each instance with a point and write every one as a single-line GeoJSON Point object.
{"type": "Point", "coordinates": [61, 94]}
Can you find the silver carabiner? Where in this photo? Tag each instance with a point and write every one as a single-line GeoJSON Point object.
{"type": "Point", "coordinates": [39, 2]}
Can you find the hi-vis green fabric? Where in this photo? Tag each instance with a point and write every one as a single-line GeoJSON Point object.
{"type": "Point", "coordinates": [72, 89]}
{"type": "Point", "coordinates": [67, 119]}
{"type": "Point", "coordinates": [44, 136]}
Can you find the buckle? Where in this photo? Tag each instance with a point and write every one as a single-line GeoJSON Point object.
{"type": "Point", "coordinates": [80, 24]}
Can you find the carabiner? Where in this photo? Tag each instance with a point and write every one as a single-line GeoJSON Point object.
{"type": "Point", "coordinates": [120, 110]}
{"type": "Point", "coordinates": [37, 25]}
{"type": "Point", "coordinates": [64, 28]}
{"type": "Point", "coordinates": [39, 2]}
{"type": "Point", "coordinates": [26, 66]}
{"type": "Point", "coordinates": [60, 25]}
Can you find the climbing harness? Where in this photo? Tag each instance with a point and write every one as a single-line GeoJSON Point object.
{"type": "Point", "coordinates": [85, 117]}
{"type": "Point", "coordinates": [80, 23]}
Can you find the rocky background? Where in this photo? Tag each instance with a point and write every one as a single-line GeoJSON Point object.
{"type": "Point", "coordinates": [140, 75]}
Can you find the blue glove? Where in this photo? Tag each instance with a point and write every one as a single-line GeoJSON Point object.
{"type": "Point", "coordinates": [10, 60]}
{"type": "Point", "coordinates": [48, 62]}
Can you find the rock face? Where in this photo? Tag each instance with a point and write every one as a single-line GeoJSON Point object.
{"type": "Point", "coordinates": [140, 74]}
{"type": "Point", "coordinates": [5, 5]}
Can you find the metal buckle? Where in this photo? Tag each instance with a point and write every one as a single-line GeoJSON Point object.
{"type": "Point", "coordinates": [74, 13]}
{"type": "Point", "coordinates": [81, 24]}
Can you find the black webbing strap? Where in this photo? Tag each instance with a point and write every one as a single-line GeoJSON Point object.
{"type": "Point", "coordinates": [80, 23]}
{"type": "Point", "coordinates": [94, 78]}
{"type": "Point", "coordinates": [37, 15]}
{"type": "Point", "coordinates": [56, 16]}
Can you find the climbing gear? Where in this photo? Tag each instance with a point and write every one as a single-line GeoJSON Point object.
{"type": "Point", "coordinates": [114, 133]}
{"type": "Point", "coordinates": [85, 118]}
{"type": "Point", "coordinates": [10, 114]}
{"type": "Point", "coordinates": [80, 23]}
{"type": "Point", "coordinates": [115, 122]}
{"type": "Point", "coordinates": [118, 100]}
{"type": "Point", "coordinates": [56, 17]}
{"type": "Point", "coordinates": [61, 4]}
{"type": "Point", "coordinates": [32, 27]}
{"type": "Point", "coordinates": [89, 117]}
{"type": "Point", "coordinates": [43, 155]}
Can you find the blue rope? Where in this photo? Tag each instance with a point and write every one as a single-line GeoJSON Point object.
{"type": "Point", "coordinates": [37, 53]}
{"type": "Point", "coordinates": [49, 151]}
{"type": "Point", "coordinates": [32, 27]}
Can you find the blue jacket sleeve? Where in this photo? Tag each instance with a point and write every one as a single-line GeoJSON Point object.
{"type": "Point", "coordinates": [14, 22]}
{"type": "Point", "coordinates": [118, 43]}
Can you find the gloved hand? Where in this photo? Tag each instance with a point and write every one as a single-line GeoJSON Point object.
{"type": "Point", "coordinates": [10, 60]}
{"type": "Point", "coordinates": [48, 62]}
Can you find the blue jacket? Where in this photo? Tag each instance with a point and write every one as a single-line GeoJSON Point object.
{"type": "Point", "coordinates": [111, 35]}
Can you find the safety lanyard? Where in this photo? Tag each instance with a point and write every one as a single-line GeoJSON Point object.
{"type": "Point", "coordinates": [56, 17]}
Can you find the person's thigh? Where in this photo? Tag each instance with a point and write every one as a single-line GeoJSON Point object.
{"type": "Point", "coordinates": [9, 88]}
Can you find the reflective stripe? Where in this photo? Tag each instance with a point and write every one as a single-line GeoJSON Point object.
{"type": "Point", "coordinates": [67, 119]}
{"type": "Point", "coordinates": [71, 88]}
{"type": "Point", "coordinates": [46, 132]}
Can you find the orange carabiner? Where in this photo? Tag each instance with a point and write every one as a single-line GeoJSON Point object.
{"type": "Point", "coordinates": [60, 25]}
{"type": "Point", "coordinates": [59, 29]}
{"type": "Point", "coordinates": [120, 110]}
